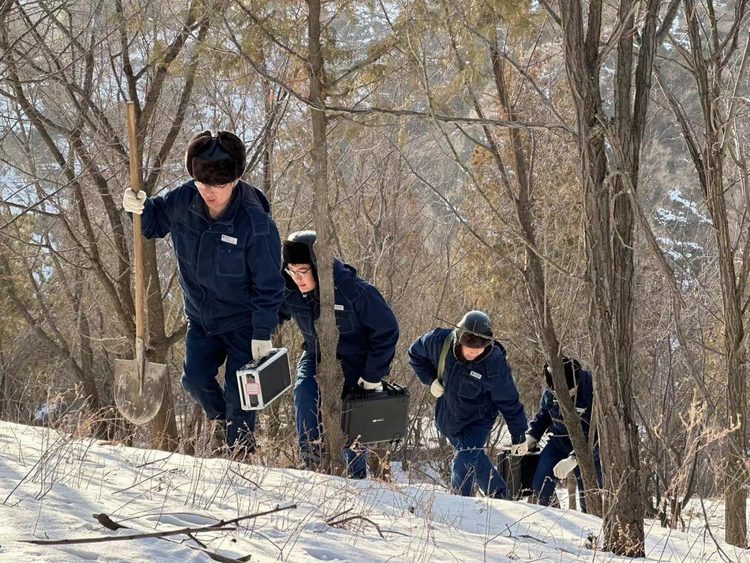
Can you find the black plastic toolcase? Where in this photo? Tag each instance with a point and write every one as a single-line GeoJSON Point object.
{"type": "Point", "coordinates": [518, 471]}
{"type": "Point", "coordinates": [371, 417]}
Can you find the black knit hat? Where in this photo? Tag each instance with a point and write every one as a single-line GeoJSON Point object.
{"type": "Point", "coordinates": [572, 373]}
{"type": "Point", "coordinates": [215, 160]}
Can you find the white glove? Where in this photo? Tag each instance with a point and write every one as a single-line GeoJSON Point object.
{"type": "Point", "coordinates": [437, 389]}
{"type": "Point", "coordinates": [531, 442]}
{"type": "Point", "coordinates": [133, 202]}
{"type": "Point", "coordinates": [520, 449]}
{"type": "Point", "coordinates": [367, 385]}
{"type": "Point", "coordinates": [261, 348]}
{"type": "Point", "coordinates": [564, 467]}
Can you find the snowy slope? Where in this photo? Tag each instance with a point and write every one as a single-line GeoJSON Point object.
{"type": "Point", "coordinates": [51, 485]}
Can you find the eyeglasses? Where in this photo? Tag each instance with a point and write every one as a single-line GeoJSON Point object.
{"type": "Point", "coordinates": [220, 187]}
{"type": "Point", "coordinates": [297, 273]}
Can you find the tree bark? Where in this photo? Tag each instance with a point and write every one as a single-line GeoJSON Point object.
{"type": "Point", "coordinates": [536, 286]}
{"type": "Point", "coordinates": [707, 69]}
{"type": "Point", "coordinates": [329, 374]}
{"type": "Point", "coordinates": [609, 233]}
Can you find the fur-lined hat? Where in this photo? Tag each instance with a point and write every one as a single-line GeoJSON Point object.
{"type": "Point", "coordinates": [298, 249]}
{"type": "Point", "coordinates": [215, 160]}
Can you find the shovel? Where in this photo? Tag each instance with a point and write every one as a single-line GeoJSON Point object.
{"type": "Point", "coordinates": [139, 384]}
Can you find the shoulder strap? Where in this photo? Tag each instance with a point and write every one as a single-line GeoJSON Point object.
{"type": "Point", "coordinates": [443, 355]}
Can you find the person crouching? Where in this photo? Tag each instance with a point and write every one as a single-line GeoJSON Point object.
{"type": "Point", "coordinates": [475, 385]}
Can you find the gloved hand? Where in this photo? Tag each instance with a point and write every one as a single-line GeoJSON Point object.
{"type": "Point", "coordinates": [367, 385]}
{"type": "Point", "coordinates": [437, 389]}
{"type": "Point", "coordinates": [564, 467]}
{"type": "Point", "coordinates": [133, 202]}
{"type": "Point", "coordinates": [519, 449]}
{"type": "Point", "coordinates": [531, 442]}
{"type": "Point", "coordinates": [260, 348]}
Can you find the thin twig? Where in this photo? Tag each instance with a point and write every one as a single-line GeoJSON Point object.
{"type": "Point", "coordinates": [350, 518]}
{"type": "Point", "coordinates": [335, 516]}
{"type": "Point", "coordinates": [241, 476]}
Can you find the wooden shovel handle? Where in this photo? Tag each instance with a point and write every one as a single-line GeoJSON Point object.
{"type": "Point", "coordinates": [135, 185]}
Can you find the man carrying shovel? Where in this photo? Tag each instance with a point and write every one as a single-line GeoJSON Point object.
{"type": "Point", "coordinates": [228, 252]}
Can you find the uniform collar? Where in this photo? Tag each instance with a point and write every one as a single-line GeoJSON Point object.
{"type": "Point", "coordinates": [313, 295]}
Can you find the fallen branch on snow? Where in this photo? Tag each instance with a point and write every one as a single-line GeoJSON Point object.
{"type": "Point", "coordinates": [338, 523]}
{"type": "Point", "coordinates": [221, 526]}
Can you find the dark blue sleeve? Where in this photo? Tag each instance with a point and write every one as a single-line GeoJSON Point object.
{"type": "Point", "coordinates": [155, 219]}
{"type": "Point", "coordinates": [266, 282]}
{"type": "Point", "coordinates": [424, 355]}
{"type": "Point", "coordinates": [505, 396]}
{"type": "Point", "coordinates": [586, 400]}
{"type": "Point", "coordinates": [382, 333]}
{"type": "Point", "coordinates": [542, 420]}
{"type": "Point", "coordinates": [284, 313]}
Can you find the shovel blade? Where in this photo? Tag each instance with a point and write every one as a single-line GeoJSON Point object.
{"type": "Point", "coordinates": [136, 404]}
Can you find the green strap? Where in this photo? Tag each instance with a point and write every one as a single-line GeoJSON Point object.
{"type": "Point", "coordinates": [443, 355]}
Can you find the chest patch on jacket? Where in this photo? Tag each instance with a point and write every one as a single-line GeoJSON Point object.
{"type": "Point", "coordinates": [227, 238]}
{"type": "Point", "coordinates": [475, 375]}
{"type": "Point", "coordinates": [338, 307]}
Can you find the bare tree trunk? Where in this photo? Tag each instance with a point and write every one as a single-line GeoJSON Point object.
{"type": "Point", "coordinates": [608, 224]}
{"type": "Point", "coordinates": [163, 427]}
{"type": "Point", "coordinates": [269, 137]}
{"type": "Point", "coordinates": [572, 485]}
{"type": "Point", "coordinates": [707, 63]}
{"type": "Point", "coordinates": [735, 486]}
{"type": "Point", "coordinates": [536, 286]}
{"type": "Point", "coordinates": [329, 374]}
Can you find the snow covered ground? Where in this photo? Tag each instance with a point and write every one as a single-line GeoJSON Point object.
{"type": "Point", "coordinates": [50, 486]}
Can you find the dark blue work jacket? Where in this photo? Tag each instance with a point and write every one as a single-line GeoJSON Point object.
{"type": "Point", "coordinates": [368, 330]}
{"type": "Point", "coordinates": [474, 391]}
{"type": "Point", "coordinates": [229, 266]}
{"type": "Point", "coordinates": [550, 418]}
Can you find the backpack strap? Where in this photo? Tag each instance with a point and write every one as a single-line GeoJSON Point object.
{"type": "Point", "coordinates": [443, 354]}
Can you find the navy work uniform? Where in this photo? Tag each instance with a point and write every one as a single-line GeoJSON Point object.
{"type": "Point", "coordinates": [368, 333]}
{"type": "Point", "coordinates": [475, 392]}
{"type": "Point", "coordinates": [229, 270]}
{"type": "Point", "coordinates": [558, 447]}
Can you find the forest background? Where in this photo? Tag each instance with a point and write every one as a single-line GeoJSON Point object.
{"type": "Point", "coordinates": [578, 171]}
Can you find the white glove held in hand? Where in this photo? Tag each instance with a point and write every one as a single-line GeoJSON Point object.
{"type": "Point", "coordinates": [519, 449]}
{"type": "Point", "coordinates": [367, 385]}
{"type": "Point", "coordinates": [531, 442]}
{"type": "Point", "coordinates": [564, 467]}
{"type": "Point", "coordinates": [437, 389]}
{"type": "Point", "coordinates": [260, 348]}
{"type": "Point", "coordinates": [133, 202]}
